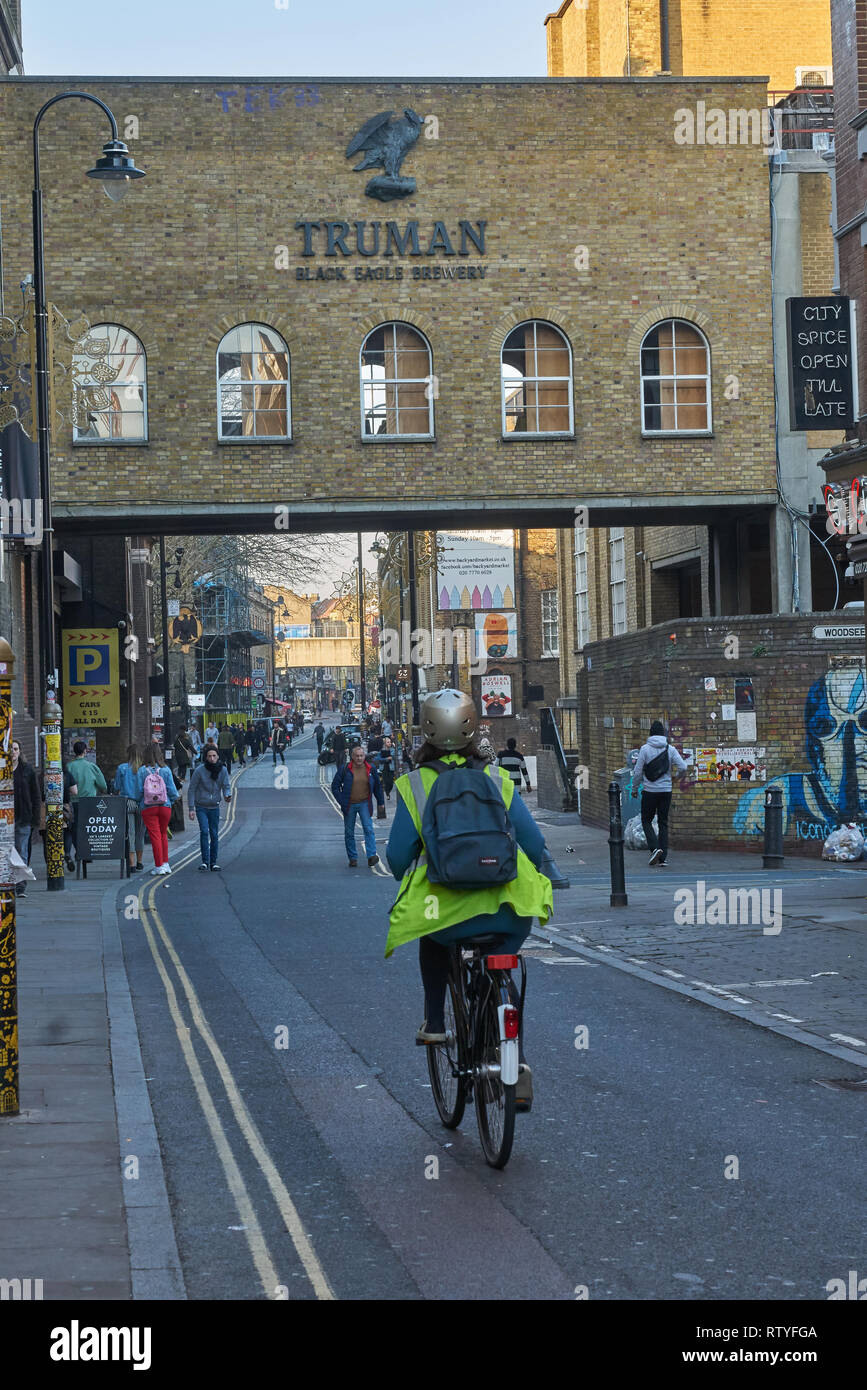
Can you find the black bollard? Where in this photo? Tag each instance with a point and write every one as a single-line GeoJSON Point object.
{"type": "Point", "coordinates": [615, 847]}
{"type": "Point", "coordinates": [773, 855]}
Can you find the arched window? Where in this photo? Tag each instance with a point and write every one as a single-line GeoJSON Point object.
{"type": "Point", "coordinates": [109, 386]}
{"type": "Point", "coordinates": [397, 388]}
{"type": "Point", "coordinates": [536, 380]}
{"type": "Point", "coordinates": [675, 379]}
{"type": "Point", "coordinates": [253, 384]}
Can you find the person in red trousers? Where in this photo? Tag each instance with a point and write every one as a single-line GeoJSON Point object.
{"type": "Point", "coordinates": [156, 794]}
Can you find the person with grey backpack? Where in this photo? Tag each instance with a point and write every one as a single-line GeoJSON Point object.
{"type": "Point", "coordinates": [652, 772]}
{"type": "Point", "coordinates": [467, 853]}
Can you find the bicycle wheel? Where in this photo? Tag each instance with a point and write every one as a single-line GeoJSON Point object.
{"type": "Point", "coordinates": [444, 1060]}
{"type": "Point", "coordinates": [495, 1103]}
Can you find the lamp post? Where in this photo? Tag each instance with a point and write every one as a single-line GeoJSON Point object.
{"type": "Point", "coordinates": [114, 169]}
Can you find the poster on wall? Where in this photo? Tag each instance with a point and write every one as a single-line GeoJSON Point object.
{"type": "Point", "coordinates": [496, 636]}
{"type": "Point", "coordinates": [475, 570]}
{"type": "Point", "coordinates": [496, 695]}
{"type": "Point", "coordinates": [744, 763]}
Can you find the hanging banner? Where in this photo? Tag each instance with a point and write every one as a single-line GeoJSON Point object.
{"type": "Point", "coordinates": [475, 569]}
{"type": "Point", "coordinates": [496, 636]}
{"type": "Point", "coordinates": [496, 696]}
{"type": "Point", "coordinates": [91, 678]}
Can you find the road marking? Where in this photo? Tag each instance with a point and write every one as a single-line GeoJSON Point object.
{"type": "Point", "coordinates": [788, 1018]}
{"type": "Point", "coordinates": [841, 1037]}
{"type": "Point", "coordinates": [259, 1251]}
{"type": "Point", "coordinates": [288, 1211]}
{"type": "Point", "coordinates": [675, 974]}
{"type": "Point", "coordinates": [765, 984]}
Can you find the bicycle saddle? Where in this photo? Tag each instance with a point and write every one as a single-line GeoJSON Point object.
{"type": "Point", "coordinates": [488, 939]}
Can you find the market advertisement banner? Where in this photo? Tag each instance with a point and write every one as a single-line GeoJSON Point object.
{"type": "Point", "coordinates": [496, 696]}
{"type": "Point", "coordinates": [741, 764]}
{"type": "Point", "coordinates": [496, 635]}
{"type": "Point", "coordinates": [475, 569]}
{"type": "Point", "coordinates": [91, 678]}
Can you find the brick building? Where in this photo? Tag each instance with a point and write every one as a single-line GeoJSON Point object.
{"type": "Point", "coordinates": [281, 343]}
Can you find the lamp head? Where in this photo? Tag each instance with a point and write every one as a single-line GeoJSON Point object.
{"type": "Point", "coordinates": [115, 169]}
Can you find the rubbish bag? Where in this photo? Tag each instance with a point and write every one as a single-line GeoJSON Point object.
{"type": "Point", "coordinates": [844, 844]}
{"type": "Point", "coordinates": [633, 834]}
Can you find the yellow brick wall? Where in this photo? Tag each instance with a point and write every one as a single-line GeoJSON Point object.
{"type": "Point", "coordinates": [529, 158]}
{"type": "Point", "coordinates": [706, 38]}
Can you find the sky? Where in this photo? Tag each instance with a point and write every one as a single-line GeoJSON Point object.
{"type": "Point", "coordinates": [276, 38]}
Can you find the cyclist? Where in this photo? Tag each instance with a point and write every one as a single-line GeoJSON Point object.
{"type": "Point", "coordinates": [437, 916]}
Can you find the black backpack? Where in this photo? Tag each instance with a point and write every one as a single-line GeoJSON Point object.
{"type": "Point", "coordinates": [658, 766]}
{"type": "Point", "coordinates": [467, 833]}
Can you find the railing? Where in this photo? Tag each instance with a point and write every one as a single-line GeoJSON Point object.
{"type": "Point", "coordinates": [549, 737]}
{"type": "Point", "coordinates": [803, 119]}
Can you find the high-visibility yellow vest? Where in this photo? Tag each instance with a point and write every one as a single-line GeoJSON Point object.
{"type": "Point", "coordinates": [422, 907]}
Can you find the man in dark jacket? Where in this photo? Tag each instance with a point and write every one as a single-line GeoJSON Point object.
{"type": "Point", "coordinates": [185, 753]}
{"type": "Point", "coordinates": [278, 742]}
{"type": "Point", "coordinates": [338, 747]}
{"type": "Point", "coordinates": [319, 731]}
{"type": "Point", "coordinates": [355, 787]}
{"type": "Point", "coordinates": [28, 807]}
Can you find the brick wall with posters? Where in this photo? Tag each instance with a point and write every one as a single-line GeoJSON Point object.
{"type": "Point", "coordinates": [810, 710]}
{"type": "Point", "coordinates": [589, 37]}
{"type": "Point", "coordinates": [232, 166]}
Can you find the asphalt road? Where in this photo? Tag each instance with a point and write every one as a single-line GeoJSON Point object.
{"type": "Point", "coordinates": [297, 1126]}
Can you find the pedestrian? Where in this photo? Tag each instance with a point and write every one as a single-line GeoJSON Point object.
{"type": "Point", "coordinates": [196, 740]}
{"type": "Point", "coordinates": [208, 783]}
{"type": "Point", "coordinates": [156, 803]}
{"type": "Point", "coordinates": [252, 742]}
{"type": "Point", "coordinates": [374, 743]}
{"type": "Point", "coordinates": [88, 779]}
{"type": "Point", "coordinates": [386, 762]}
{"type": "Point", "coordinates": [125, 783]}
{"type": "Point", "coordinates": [486, 749]}
{"type": "Point", "coordinates": [513, 762]}
{"type": "Point", "coordinates": [240, 744]}
{"type": "Point", "coordinates": [226, 745]}
{"type": "Point", "coordinates": [355, 786]}
{"type": "Point", "coordinates": [338, 747]}
{"type": "Point", "coordinates": [289, 726]}
{"type": "Point", "coordinates": [387, 730]}
{"type": "Point", "coordinates": [28, 807]}
{"type": "Point", "coordinates": [212, 733]}
{"type": "Point", "coordinates": [439, 916]}
{"type": "Point", "coordinates": [653, 772]}
{"type": "Point", "coordinates": [319, 731]}
{"type": "Point", "coordinates": [185, 753]}
{"type": "Point", "coordinates": [278, 743]}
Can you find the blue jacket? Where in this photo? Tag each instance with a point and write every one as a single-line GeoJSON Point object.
{"type": "Point", "coordinates": [126, 782]}
{"type": "Point", "coordinates": [172, 792]}
{"type": "Point", "coordinates": [341, 786]}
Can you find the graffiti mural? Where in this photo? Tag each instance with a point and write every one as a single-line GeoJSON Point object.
{"type": "Point", "coordinates": [833, 790]}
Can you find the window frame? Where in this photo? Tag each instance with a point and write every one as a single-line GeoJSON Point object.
{"type": "Point", "coordinates": [254, 438]}
{"type": "Point", "coordinates": [617, 536]}
{"type": "Point", "coordinates": [582, 593]}
{"type": "Point", "coordinates": [706, 377]}
{"type": "Point", "coordinates": [549, 651]}
{"type": "Point", "coordinates": [81, 442]}
{"type": "Point", "coordinates": [570, 380]}
{"type": "Point", "coordinates": [397, 382]}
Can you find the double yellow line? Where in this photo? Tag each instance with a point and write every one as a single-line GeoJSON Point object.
{"type": "Point", "coordinates": [272, 1286]}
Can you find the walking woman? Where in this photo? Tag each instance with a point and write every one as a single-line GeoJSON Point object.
{"type": "Point", "coordinates": [208, 783]}
{"type": "Point", "coordinates": [156, 803]}
{"type": "Point", "coordinates": [125, 783]}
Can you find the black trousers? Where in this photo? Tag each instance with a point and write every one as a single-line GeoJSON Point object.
{"type": "Point", "coordinates": [655, 804]}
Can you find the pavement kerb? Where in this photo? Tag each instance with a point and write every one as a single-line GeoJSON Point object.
{"type": "Point", "coordinates": [609, 956]}
{"type": "Point", "coordinates": [155, 1266]}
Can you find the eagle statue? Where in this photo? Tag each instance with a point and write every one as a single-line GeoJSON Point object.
{"type": "Point", "coordinates": [386, 143]}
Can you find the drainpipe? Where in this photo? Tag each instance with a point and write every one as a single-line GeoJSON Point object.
{"type": "Point", "coordinates": [664, 53]}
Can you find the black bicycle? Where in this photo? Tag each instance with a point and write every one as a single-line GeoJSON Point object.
{"type": "Point", "coordinates": [483, 1018]}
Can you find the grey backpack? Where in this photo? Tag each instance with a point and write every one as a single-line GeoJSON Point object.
{"type": "Point", "coordinates": [468, 836]}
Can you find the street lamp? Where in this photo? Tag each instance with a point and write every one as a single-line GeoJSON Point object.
{"type": "Point", "coordinates": [115, 169]}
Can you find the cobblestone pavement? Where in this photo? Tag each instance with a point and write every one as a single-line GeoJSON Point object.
{"type": "Point", "coordinates": [799, 969]}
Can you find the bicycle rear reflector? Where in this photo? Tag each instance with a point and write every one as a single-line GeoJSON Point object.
{"type": "Point", "coordinates": [511, 1022]}
{"type": "Point", "coordinates": [502, 962]}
